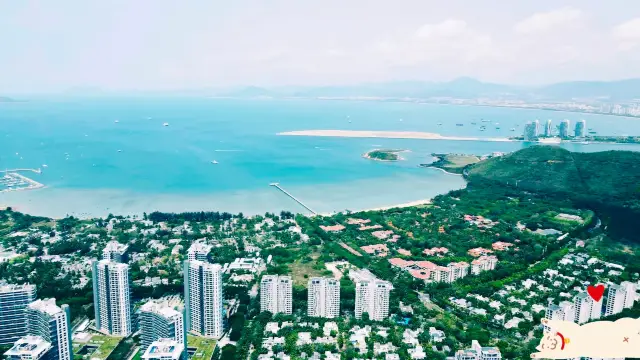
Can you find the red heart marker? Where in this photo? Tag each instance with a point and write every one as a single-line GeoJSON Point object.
{"type": "Point", "coordinates": [596, 292]}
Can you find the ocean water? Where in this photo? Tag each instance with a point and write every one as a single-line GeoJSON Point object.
{"type": "Point", "coordinates": [96, 166]}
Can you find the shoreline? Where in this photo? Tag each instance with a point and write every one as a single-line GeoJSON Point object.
{"type": "Point", "coordinates": [381, 208]}
{"type": "Point", "coordinates": [441, 169]}
{"type": "Point", "coordinates": [416, 135]}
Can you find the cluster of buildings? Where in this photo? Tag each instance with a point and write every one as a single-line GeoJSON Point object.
{"type": "Point", "coordinates": [430, 272]}
{"type": "Point", "coordinates": [323, 298]}
{"type": "Point", "coordinates": [36, 328]}
{"type": "Point", "coordinates": [584, 308]}
{"type": "Point", "coordinates": [532, 130]}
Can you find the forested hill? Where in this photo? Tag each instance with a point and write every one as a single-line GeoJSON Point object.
{"type": "Point", "coordinates": [606, 181]}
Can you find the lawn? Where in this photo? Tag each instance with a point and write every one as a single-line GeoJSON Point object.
{"type": "Point", "coordinates": [204, 347]}
{"type": "Point", "coordinates": [300, 268]}
{"type": "Point", "coordinates": [106, 344]}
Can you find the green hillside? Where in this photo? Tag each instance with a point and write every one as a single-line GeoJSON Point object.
{"type": "Point", "coordinates": [608, 182]}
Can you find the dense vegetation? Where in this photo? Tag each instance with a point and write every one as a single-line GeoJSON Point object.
{"type": "Point", "coordinates": [384, 155]}
{"type": "Point", "coordinates": [607, 182]}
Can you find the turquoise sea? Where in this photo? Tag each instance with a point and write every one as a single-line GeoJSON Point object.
{"type": "Point", "coordinates": [169, 168]}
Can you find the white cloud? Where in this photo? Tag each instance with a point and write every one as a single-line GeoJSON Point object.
{"type": "Point", "coordinates": [544, 22]}
{"type": "Point", "coordinates": [627, 34]}
{"type": "Point", "coordinates": [447, 28]}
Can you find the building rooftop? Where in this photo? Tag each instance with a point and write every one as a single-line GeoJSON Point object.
{"type": "Point", "coordinates": [163, 307]}
{"type": "Point", "coordinates": [47, 306]}
{"type": "Point", "coordinates": [164, 349]}
{"type": "Point", "coordinates": [6, 287]}
{"type": "Point", "coordinates": [116, 247]}
{"type": "Point", "coordinates": [29, 347]}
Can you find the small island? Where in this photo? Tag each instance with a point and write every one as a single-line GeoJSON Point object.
{"type": "Point", "coordinates": [384, 155]}
{"type": "Point", "coordinates": [452, 163]}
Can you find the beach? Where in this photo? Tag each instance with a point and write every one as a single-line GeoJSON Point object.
{"type": "Point", "coordinates": [387, 135]}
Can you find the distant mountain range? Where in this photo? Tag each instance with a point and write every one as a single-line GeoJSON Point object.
{"type": "Point", "coordinates": [464, 88]}
{"type": "Point", "coordinates": [6, 99]}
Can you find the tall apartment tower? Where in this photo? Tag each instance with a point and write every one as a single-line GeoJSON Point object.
{"type": "Point", "coordinates": [372, 295]}
{"type": "Point", "coordinates": [547, 128]}
{"type": "Point", "coordinates": [324, 297]}
{"type": "Point", "coordinates": [14, 300]}
{"type": "Point", "coordinates": [199, 251]}
{"type": "Point", "coordinates": [580, 129]}
{"type": "Point", "coordinates": [116, 252]}
{"type": "Point", "coordinates": [203, 294]}
{"type": "Point", "coordinates": [51, 323]}
{"type": "Point", "coordinates": [112, 297]}
{"type": "Point", "coordinates": [162, 319]}
{"type": "Point", "coordinates": [564, 128]}
{"type": "Point", "coordinates": [536, 127]}
{"type": "Point", "coordinates": [276, 294]}
{"type": "Point", "coordinates": [586, 308]}
{"type": "Point", "coordinates": [620, 297]}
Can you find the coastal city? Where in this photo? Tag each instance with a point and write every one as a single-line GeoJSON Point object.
{"type": "Point", "coordinates": [456, 278]}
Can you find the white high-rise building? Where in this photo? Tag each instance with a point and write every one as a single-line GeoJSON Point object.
{"type": "Point", "coordinates": [580, 129]}
{"type": "Point", "coordinates": [162, 319]}
{"type": "Point", "coordinates": [13, 303]}
{"type": "Point", "coordinates": [372, 295]}
{"type": "Point", "coordinates": [565, 311]}
{"type": "Point", "coordinates": [323, 297]}
{"type": "Point", "coordinates": [51, 323]}
{"type": "Point", "coordinates": [276, 294]}
{"type": "Point", "coordinates": [586, 308]}
{"type": "Point", "coordinates": [547, 129]}
{"type": "Point", "coordinates": [116, 252]}
{"type": "Point", "coordinates": [620, 297]}
{"type": "Point", "coordinates": [112, 297]}
{"type": "Point", "coordinates": [203, 294]}
{"type": "Point", "coordinates": [199, 251]}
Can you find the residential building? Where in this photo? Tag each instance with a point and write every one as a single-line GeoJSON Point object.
{"type": "Point", "coordinates": [586, 308]}
{"type": "Point", "coordinates": [254, 265]}
{"type": "Point", "coordinates": [530, 131]}
{"type": "Point", "coordinates": [477, 352]}
{"type": "Point", "coordinates": [165, 349]}
{"type": "Point", "coordinates": [199, 252]}
{"type": "Point", "coordinates": [14, 300]}
{"type": "Point", "coordinates": [116, 252]}
{"type": "Point", "coordinates": [162, 319]}
{"type": "Point", "coordinates": [51, 323]}
{"type": "Point", "coordinates": [276, 294]}
{"type": "Point", "coordinates": [29, 348]}
{"type": "Point", "coordinates": [563, 130]}
{"type": "Point", "coordinates": [580, 129]}
{"type": "Point", "coordinates": [112, 297]}
{"type": "Point", "coordinates": [372, 295]}
{"type": "Point", "coordinates": [620, 297]}
{"type": "Point", "coordinates": [547, 129]}
{"type": "Point", "coordinates": [483, 263]}
{"type": "Point", "coordinates": [324, 297]}
{"type": "Point", "coordinates": [565, 311]}
{"type": "Point", "coordinates": [203, 294]}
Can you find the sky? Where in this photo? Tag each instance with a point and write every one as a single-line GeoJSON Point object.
{"type": "Point", "coordinates": [167, 44]}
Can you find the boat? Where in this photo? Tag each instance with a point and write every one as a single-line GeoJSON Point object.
{"type": "Point", "coordinates": [585, 143]}
{"type": "Point", "coordinates": [473, 123]}
{"type": "Point", "coordinates": [513, 129]}
{"type": "Point", "coordinates": [45, 165]}
{"type": "Point", "coordinates": [119, 150]}
{"type": "Point", "coordinates": [483, 120]}
{"type": "Point", "coordinates": [482, 129]}
{"type": "Point", "coordinates": [439, 123]}
{"type": "Point", "coordinates": [400, 120]}
{"type": "Point", "coordinates": [497, 128]}
{"type": "Point", "coordinates": [165, 124]}
{"type": "Point", "coordinates": [214, 162]}
{"type": "Point", "coordinates": [117, 121]}
{"type": "Point", "coordinates": [459, 124]}
{"type": "Point", "coordinates": [592, 132]}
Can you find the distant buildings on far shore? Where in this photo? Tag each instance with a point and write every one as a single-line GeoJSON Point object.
{"type": "Point", "coordinates": [532, 131]}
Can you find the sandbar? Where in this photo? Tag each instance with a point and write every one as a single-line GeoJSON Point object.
{"type": "Point", "coordinates": [385, 135]}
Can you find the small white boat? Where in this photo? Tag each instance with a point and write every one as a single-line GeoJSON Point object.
{"type": "Point", "coordinates": [165, 124]}
{"type": "Point", "coordinates": [439, 123]}
{"type": "Point", "coordinates": [45, 165]}
{"type": "Point", "coordinates": [117, 121]}
{"type": "Point", "coordinates": [119, 150]}
{"type": "Point", "coordinates": [513, 129]}
{"type": "Point", "coordinates": [214, 162]}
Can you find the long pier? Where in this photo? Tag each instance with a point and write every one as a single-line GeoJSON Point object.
{"type": "Point", "coordinates": [277, 186]}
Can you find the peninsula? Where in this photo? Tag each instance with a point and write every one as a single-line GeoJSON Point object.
{"type": "Point", "coordinates": [385, 135]}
